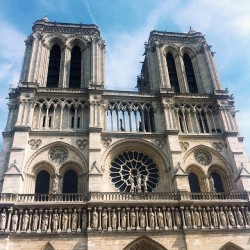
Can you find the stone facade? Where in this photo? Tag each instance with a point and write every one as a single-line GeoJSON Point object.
{"type": "Point", "coordinates": [83, 167]}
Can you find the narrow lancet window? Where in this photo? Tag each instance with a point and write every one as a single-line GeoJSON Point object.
{"type": "Point", "coordinates": [42, 182]}
{"type": "Point", "coordinates": [192, 85]}
{"type": "Point", "coordinates": [54, 67]}
{"type": "Point", "coordinates": [218, 186]}
{"type": "Point", "coordinates": [194, 183]}
{"type": "Point", "coordinates": [70, 182]}
{"type": "Point", "coordinates": [172, 73]}
{"type": "Point", "coordinates": [75, 68]}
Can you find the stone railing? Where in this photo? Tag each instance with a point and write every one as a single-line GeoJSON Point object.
{"type": "Point", "coordinates": [112, 217]}
{"type": "Point", "coordinates": [123, 197]}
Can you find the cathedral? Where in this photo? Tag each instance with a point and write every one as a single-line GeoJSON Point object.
{"type": "Point", "coordinates": [84, 167]}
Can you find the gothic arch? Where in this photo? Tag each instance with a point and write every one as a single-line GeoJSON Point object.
{"type": "Point", "coordinates": [173, 49]}
{"type": "Point", "coordinates": [76, 41]}
{"type": "Point", "coordinates": [44, 165]}
{"type": "Point", "coordinates": [132, 144]}
{"type": "Point", "coordinates": [217, 158]}
{"type": "Point", "coordinates": [48, 246]}
{"type": "Point", "coordinates": [50, 40]}
{"type": "Point", "coordinates": [188, 49]}
{"type": "Point", "coordinates": [144, 243]}
{"type": "Point", "coordinates": [140, 146]}
{"type": "Point", "coordinates": [42, 155]}
{"type": "Point", "coordinates": [230, 246]}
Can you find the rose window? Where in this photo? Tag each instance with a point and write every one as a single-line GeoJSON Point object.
{"type": "Point", "coordinates": [58, 154]}
{"type": "Point", "coordinates": [202, 157]}
{"type": "Point", "coordinates": [134, 171]}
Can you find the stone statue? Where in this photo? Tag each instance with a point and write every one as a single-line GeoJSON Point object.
{"type": "Point", "coordinates": [35, 221]}
{"type": "Point", "coordinates": [55, 185]}
{"type": "Point", "coordinates": [223, 218]}
{"type": "Point", "coordinates": [45, 221]}
{"type": "Point", "coordinates": [25, 221]}
{"type": "Point", "coordinates": [231, 217]}
{"type": "Point", "coordinates": [214, 218]}
{"type": "Point", "coordinates": [104, 219]}
{"type": "Point", "coordinates": [151, 217]}
{"type": "Point", "coordinates": [160, 218]}
{"type": "Point", "coordinates": [74, 220]}
{"type": "Point", "coordinates": [113, 219]}
{"type": "Point", "coordinates": [123, 218]}
{"type": "Point", "coordinates": [55, 220]}
{"type": "Point", "coordinates": [211, 182]}
{"type": "Point", "coordinates": [138, 186]}
{"type": "Point", "coordinates": [247, 215]}
{"type": "Point", "coordinates": [145, 179]}
{"type": "Point", "coordinates": [95, 219]}
{"type": "Point", "coordinates": [132, 183]}
{"type": "Point", "coordinates": [142, 218]}
{"type": "Point", "coordinates": [197, 220]}
{"type": "Point", "coordinates": [3, 219]}
{"type": "Point", "coordinates": [239, 217]}
{"type": "Point", "coordinates": [188, 219]}
{"type": "Point", "coordinates": [169, 218]}
{"type": "Point", "coordinates": [132, 218]}
{"type": "Point", "coordinates": [177, 218]}
{"type": "Point", "coordinates": [205, 218]}
{"type": "Point", "coordinates": [14, 221]}
{"type": "Point", "coordinates": [65, 219]}
{"type": "Point", "coordinates": [84, 220]}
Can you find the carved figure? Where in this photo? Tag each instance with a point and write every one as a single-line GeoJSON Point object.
{"type": "Point", "coordinates": [3, 219]}
{"type": "Point", "coordinates": [142, 218]}
{"type": "Point", "coordinates": [123, 218]}
{"type": "Point", "coordinates": [197, 219]}
{"type": "Point", "coordinates": [138, 186]}
{"type": "Point", "coordinates": [132, 184]}
{"type": "Point", "coordinates": [55, 220]}
{"type": "Point", "coordinates": [205, 218]}
{"type": "Point", "coordinates": [35, 221]}
{"type": "Point", "coordinates": [104, 219]}
{"type": "Point", "coordinates": [188, 219]}
{"type": "Point", "coordinates": [55, 185]}
{"type": "Point", "coordinates": [132, 218]}
{"type": "Point", "coordinates": [14, 221]}
{"type": "Point", "coordinates": [160, 218]}
{"type": "Point", "coordinates": [169, 218]}
{"type": "Point", "coordinates": [214, 218]}
{"type": "Point", "coordinates": [95, 219]}
{"type": "Point", "coordinates": [145, 179]}
{"type": "Point", "coordinates": [25, 221]}
{"type": "Point", "coordinates": [74, 220]}
{"type": "Point", "coordinates": [223, 218]}
{"type": "Point", "coordinates": [211, 182]}
{"type": "Point", "coordinates": [151, 217]}
{"type": "Point", "coordinates": [247, 216]}
{"type": "Point", "coordinates": [65, 219]}
{"type": "Point", "coordinates": [177, 218]}
{"type": "Point", "coordinates": [113, 219]}
{"type": "Point", "coordinates": [231, 217]}
{"type": "Point", "coordinates": [45, 221]}
{"type": "Point", "coordinates": [239, 217]}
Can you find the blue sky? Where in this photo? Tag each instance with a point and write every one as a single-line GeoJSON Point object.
{"type": "Point", "coordinates": [125, 26]}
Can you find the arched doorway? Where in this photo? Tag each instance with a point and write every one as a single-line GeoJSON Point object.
{"type": "Point", "coordinates": [144, 243]}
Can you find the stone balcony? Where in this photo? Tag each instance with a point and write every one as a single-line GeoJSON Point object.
{"type": "Point", "coordinates": [56, 213]}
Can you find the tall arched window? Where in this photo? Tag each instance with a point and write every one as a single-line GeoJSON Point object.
{"type": "Point", "coordinates": [54, 67]}
{"type": "Point", "coordinates": [172, 73]}
{"type": "Point", "coordinates": [194, 183]}
{"type": "Point", "coordinates": [75, 68]}
{"type": "Point", "coordinates": [192, 85]}
{"type": "Point", "coordinates": [217, 182]}
{"type": "Point", "coordinates": [70, 182]}
{"type": "Point", "coordinates": [42, 182]}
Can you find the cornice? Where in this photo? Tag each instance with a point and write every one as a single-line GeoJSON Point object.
{"type": "Point", "coordinates": [131, 135]}
{"type": "Point", "coordinates": [59, 133]}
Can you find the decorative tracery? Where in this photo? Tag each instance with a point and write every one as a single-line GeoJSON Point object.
{"type": "Point", "coordinates": [133, 171]}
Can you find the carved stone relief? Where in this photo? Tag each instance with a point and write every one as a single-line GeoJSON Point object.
{"type": "Point", "coordinates": [218, 146]}
{"type": "Point", "coordinates": [106, 142]}
{"type": "Point", "coordinates": [184, 146]}
{"type": "Point", "coordinates": [58, 154]}
{"type": "Point", "coordinates": [160, 143]}
{"type": "Point", "coordinates": [81, 144]}
{"type": "Point", "coordinates": [35, 143]}
{"type": "Point", "coordinates": [202, 157]}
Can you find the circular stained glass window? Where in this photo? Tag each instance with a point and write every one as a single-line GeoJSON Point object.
{"type": "Point", "coordinates": [134, 171]}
